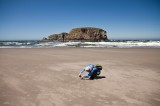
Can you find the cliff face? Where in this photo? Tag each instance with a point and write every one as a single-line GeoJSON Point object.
{"type": "Point", "coordinates": [84, 33]}
{"type": "Point", "coordinates": [59, 37]}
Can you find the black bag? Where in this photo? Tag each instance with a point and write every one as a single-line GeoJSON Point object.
{"type": "Point", "coordinates": [98, 66]}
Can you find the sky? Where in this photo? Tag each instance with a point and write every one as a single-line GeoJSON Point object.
{"type": "Point", "coordinates": [122, 19]}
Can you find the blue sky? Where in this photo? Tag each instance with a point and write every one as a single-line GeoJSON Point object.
{"type": "Point", "coordinates": [122, 19]}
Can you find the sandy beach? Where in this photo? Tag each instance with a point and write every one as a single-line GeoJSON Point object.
{"type": "Point", "coordinates": [49, 77]}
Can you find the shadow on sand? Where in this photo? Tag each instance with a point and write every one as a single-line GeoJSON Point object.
{"type": "Point", "coordinates": [100, 77]}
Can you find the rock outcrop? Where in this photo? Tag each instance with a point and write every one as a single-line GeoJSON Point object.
{"type": "Point", "coordinates": [59, 37]}
{"type": "Point", "coordinates": [82, 34]}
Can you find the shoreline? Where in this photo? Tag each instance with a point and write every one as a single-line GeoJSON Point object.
{"type": "Point", "coordinates": [112, 44]}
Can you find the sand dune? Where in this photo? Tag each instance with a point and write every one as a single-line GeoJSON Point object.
{"type": "Point", "coordinates": [49, 77]}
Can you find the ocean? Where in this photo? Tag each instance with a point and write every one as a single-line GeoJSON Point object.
{"type": "Point", "coordinates": [56, 44]}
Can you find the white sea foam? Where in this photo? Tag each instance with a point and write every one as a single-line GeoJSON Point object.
{"type": "Point", "coordinates": [113, 44]}
{"type": "Point", "coordinates": [131, 44]}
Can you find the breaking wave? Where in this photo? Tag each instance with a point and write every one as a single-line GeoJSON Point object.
{"type": "Point", "coordinates": [110, 44]}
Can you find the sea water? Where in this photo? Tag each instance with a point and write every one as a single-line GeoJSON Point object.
{"type": "Point", "coordinates": [55, 44]}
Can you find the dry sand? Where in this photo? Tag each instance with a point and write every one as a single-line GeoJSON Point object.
{"type": "Point", "coordinates": [49, 77]}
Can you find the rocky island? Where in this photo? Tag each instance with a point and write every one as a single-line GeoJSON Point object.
{"type": "Point", "coordinates": [80, 34]}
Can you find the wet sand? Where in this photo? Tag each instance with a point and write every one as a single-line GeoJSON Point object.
{"type": "Point", "coordinates": [49, 77]}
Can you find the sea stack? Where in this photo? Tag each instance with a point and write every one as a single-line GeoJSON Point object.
{"type": "Point", "coordinates": [81, 34]}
